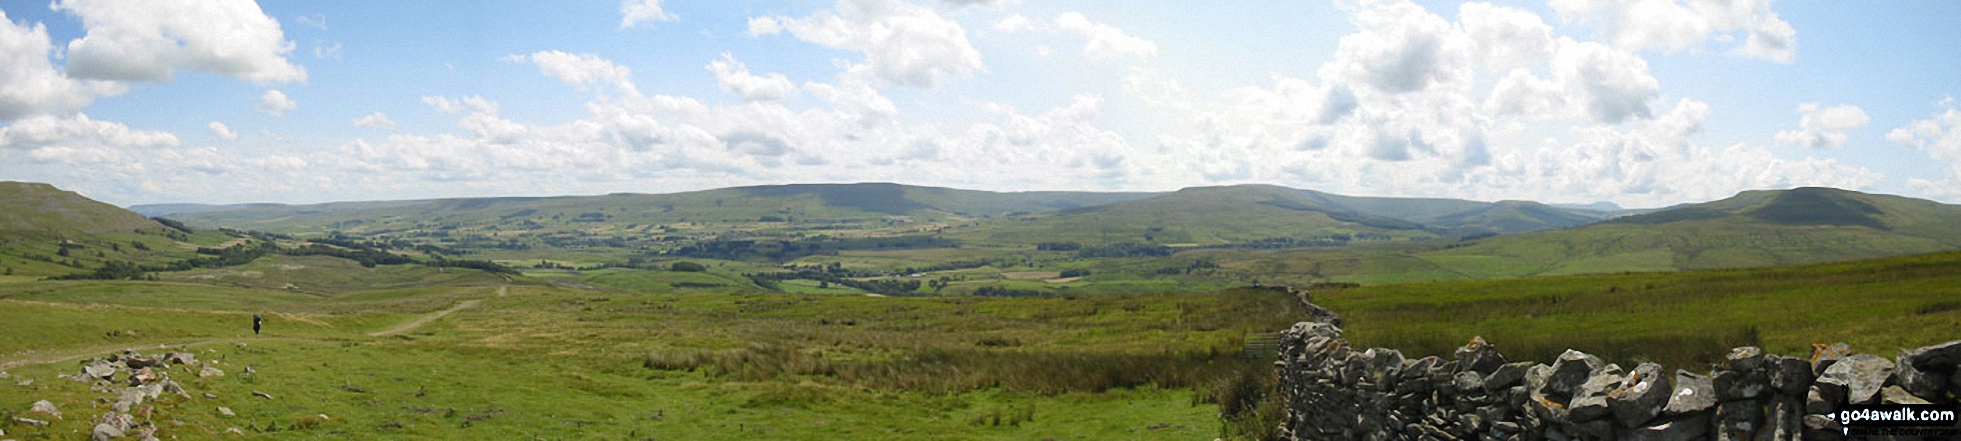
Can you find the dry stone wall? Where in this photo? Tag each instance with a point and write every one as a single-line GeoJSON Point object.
{"type": "Point", "coordinates": [1334, 391]}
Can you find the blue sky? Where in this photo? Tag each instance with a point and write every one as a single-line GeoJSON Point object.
{"type": "Point", "coordinates": [1638, 102]}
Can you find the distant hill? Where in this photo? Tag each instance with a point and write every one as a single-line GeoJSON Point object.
{"type": "Point", "coordinates": [1753, 228]}
{"type": "Point", "coordinates": [158, 210]}
{"type": "Point", "coordinates": [42, 208]}
{"type": "Point", "coordinates": [47, 231]}
{"type": "Point", "coordinates": [804, 203]}
{"type": "Point", "coordinates": [1243, 213]}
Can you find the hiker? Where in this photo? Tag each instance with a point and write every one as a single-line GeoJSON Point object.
{"type": "Point", "coordinates": [255, 323]}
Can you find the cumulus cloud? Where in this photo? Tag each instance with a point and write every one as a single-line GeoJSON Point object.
{"type": "Point", "coordinates": [275, 103]}
{"type": "Point", "coordinates": [1938, 135]}
{"type": "Point", "coordinates": [906, 44]}
{"type": "Point", "coordinates": [223, 132]}
{"type": "Point", "coordinates": [582, 70]}
{"type": "Point", "coordinates": [1824, 127]}
{"type": "Point", "coordinates": [52, 131]}
{"type": "Point", "coordinates": [375, 120]}
{"type": "Point", "coordinates": [1676, 25]}
{"type": "Point", "coordinates": [443, 104]}
{"type": "Point", "coordinates": [1399, 48]}
{"type": "Point", "coordinates": [633, 12]}
{"type": "Point", "coordinates": [150, 41]}
{"type": "Point", "coordinates": [1014, 23]}
{"type": "Point", "coordinates": [30, 83]}
{"type": "Point", "coordinates": [1612, 85]}
{"type": "Point", "coordinates": [734, 77]}
{"type": "Point", "coordinates": [1105, 42]}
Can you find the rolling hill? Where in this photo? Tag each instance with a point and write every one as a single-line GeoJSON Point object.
{"type": "Point", "coordinates": [1751, 229]}
{"type": "Point", "coordinates": [42, 208]}
{"type": "Point", "coordinates": [48, 231]}
{"type": "Point", "coordinates": [807, 203]}
{"type": "Point", "coordinates": [1248, 213]}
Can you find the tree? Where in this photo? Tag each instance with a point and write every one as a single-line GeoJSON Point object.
{"type": "Point", "coordinates": [685, 266]}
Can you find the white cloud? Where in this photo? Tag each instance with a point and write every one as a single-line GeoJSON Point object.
{"type": "Point", "coordinates": [1939, 136]}
{"type": "Point", "coordinates": [442, 104]}
{"type": "Point", "coordinates": [1676, 25]}
{"type": "Point", "coordinates": [1014, 23]}
{"type": "Point", "coordinates": [375, 120]}
{"type": "Point", "coordinates": [906, 44]}
{"type": "Point", "coordinates": [316, 21]}
{"type": "Point", "coordinates": [1612, 86]}
{"type": "Point", "coordinates": [150, 41]}
{"type": "Point", "coordinates": [222, 132]}
{"type": "Point", "coordinates": [327, 51]}
{"type": "Point", "coordinates": [633, 12]}
{"type": "Point", "coordinates": [1506, 38]}
{"type": "Point", "coordinates": [734, 77]}
{"type": "Point", "coordinates": [275, 103]}
{"type": "Point", "coordinates": [29, 82]}
{"type": "Point", "coordinates": [1824, 127]}
{"type": "Point", "coordinates": [1399, 48]}
{"type": "Point", "coordinates": [582, 70]}
{"type": "Point", "coordinates": [52, 131]}
{"type": "Point", "coordinates": [1105, 41]}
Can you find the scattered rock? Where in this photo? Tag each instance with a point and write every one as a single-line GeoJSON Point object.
{"type": "Point", "coordinates": [45, 407]}
{"type": "Point", "coordinates": [1693, 393]}
{"type": "Point", "coordinates": [180, 358]}
{"type": "Point", "coordinates": [1862, 375]}
{"type": "Point", "coordinates": [141, 376]}
{"type": "Point", "coordinates": [209, 371]}
{"type": "Point", "coordinates": [25, 382]}
{"type": "Point", "coordinates": [262, 395]}
{"type": "Point", "coordinates": [226, 411]}
{"type": "Point", "coordinates": [99, 369]}
{"type": "Point", "coordinates": [105, 432]}
{"type": "Point", "coordinates": [31, 422]}
{"type": "Point", "coordinates": [234, 430]}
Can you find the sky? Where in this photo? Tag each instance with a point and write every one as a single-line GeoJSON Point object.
{"type": "Point", "coordinates": [1643, 103]}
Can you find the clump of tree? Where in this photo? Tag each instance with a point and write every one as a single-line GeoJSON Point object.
{"type": "Point", "coordinates": [1126, 250]}
{"type": "Point", "coordinates": [998, 291]}
{"type": "Point", "coordinates": [687, 267]}
{"type": "Point", "coordinates": [175, 225]}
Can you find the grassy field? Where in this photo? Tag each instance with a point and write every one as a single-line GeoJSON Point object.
{"type": "Point", "coordinates": [536, 360]}
{"type": "Point", "coordinates": [1676, 318]}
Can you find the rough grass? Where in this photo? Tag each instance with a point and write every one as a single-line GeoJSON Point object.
{"type": "Point", "coordinates": [553, 362]}
{"type": "Point", "coordinates": [1680, 319]}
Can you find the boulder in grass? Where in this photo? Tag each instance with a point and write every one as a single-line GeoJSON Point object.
{"type": "Point", "coordinates": [45, 407]}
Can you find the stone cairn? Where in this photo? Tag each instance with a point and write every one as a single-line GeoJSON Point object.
{"type": "Point", "coordinates": [1336, 392]}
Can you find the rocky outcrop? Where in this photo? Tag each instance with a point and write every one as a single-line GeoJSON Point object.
{"type": "Point", "coordinates": [1334, 391]}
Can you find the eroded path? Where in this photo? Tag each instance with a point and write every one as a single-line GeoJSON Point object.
{"type": "Point", "coordinates": [424, 320]}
